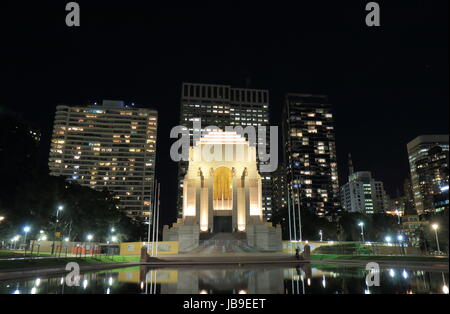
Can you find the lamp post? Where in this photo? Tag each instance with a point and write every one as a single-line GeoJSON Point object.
{"type": "Point", "coordinates": [66, 245]}
{"type": "Point", "coordinates": [436, 227]}
{"type": "Point", "coordinates": [2, 218]}
{"type": "Point", "coordinates": [388, 239]}
{"type": "Point", "coordinates": [89, 238]}
{"type": "Point", "coordinates": [14, 240]}
{"type": "Point", "coordinates": [60, 208]}
{"type": "Point", "coordinates": [400, 243]}
{"type": "Point", "coordinates": [26, 229]}
{"type": "Point", "coordinates": [398, 215]}
{"type": "Point", "coordinates": [361, 224]}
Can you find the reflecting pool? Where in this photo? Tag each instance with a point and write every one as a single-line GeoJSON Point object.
{"type": "Point", "coordinates": [247, 279]}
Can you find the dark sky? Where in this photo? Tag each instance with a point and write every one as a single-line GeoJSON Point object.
{"type": "Point", "coordinates": [388, 84]}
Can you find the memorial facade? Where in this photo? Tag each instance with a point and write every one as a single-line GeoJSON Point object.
{"type": "Point", "coordinates": [222, 193]}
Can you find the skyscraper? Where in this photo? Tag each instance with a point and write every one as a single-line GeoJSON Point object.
{"type": "Point", "coordinates": [109, 146]}
{"type": "Point", "coordinates": [279, 189]}
{"type": "Point", "coordinates": [221, 106]}
{"type": "Point", "coordinates": [364, 194]}
{"type": "Point", "coordinates": [310, 153]}
{"type": "Point", "coordinates": [428, 158]}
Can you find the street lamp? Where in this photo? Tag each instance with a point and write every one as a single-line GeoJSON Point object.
{"type": "Point", "coordinates": [26, 229]}
{"type": "Point", "coordinates": [60, 208]}
{"type": "Point", "coordinates": [14, 240]}
{"type": "Point", "coordinates": [361, 224]}
{"type": "Point", "coordinates": [388, 239]}
{"type": "Point", "coordinates": [400, 240]}
{"type": "Point", "coordinates": [2, 218]}
{"type": "Point", "coordinates": [436, 227]}
{"type": "Point", "coordinates": [114, 239]}
{"type": "Point", "coordinates": [89, 237]}
{"type": "Point", "coordinates": [398, 215]}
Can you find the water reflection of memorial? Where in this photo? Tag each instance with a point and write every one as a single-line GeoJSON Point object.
{"type": "Point", "coordinates": [250, 279]}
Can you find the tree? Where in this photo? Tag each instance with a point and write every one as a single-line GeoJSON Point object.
{"type": "Point", "coordinates": [32, 196]}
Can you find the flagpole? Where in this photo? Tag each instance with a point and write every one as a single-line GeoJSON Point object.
{"type": "Point", "coordinates": [150, 220]}
{"type": "Point", "coordinates": [157, 218]}
{"type": "Point", "coordinates": [153, 219]}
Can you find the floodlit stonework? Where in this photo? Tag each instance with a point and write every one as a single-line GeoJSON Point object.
{"type": "Point", "coordinates": [222, 193]}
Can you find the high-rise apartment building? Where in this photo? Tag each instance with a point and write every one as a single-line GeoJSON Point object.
{"type": "Point", "coordinates": [364, 194]}
{"type": "Point", "coordinates": [110, 146]}
{"type": "Point", "coordinates": [222, 106]}
{"type": "Point", "coordinates": [310, 153]}
{"type": "Point", "coordinates": [428, 161]}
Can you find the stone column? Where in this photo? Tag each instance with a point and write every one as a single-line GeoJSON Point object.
{"type": "Point", "coordinates": [210, 184]}
{"type": "Point", "coordinates": [235, 201]}
{"type": "Point", "coordinates": [247, 197]}
{"type": "Point", "coordinates": [198, 190]}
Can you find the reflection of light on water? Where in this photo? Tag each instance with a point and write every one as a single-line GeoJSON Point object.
{"type": "Point", "coordinates": [445, 289]}
{"type": "Point", "coordinates": [37, 282]}
{"type": "Point", "coordinates": [33, 290]}
{"type": "Point", "coordinates": [17, 291]}
{"type": "Point", "coordinates": [108, 291]}
{"type": "Point", "coordinates": [405, 274]}
{"type": "Point", "coordinates": [323, 281]}
{"type": "Point", "coordinates": [392, 273]}
{"type": "Point", "coordinates": [308, 282]}
{"type": "Point", "coordinates": [203, 292]}
{"type": "Point", "coordinates": [242, 292]}
{"type": "Point", "coordinates": [62, 281]}
{"type": "Point", "coordinates": [142, 285]}
{"type": "Point", "coordinates": [409, 292]}
{"type": "Point", "coordinates": [85, 283]}
{"type": "Point", "coordinates": [110, 281]}
{"type": "Point", "coordinates": [367, 291]}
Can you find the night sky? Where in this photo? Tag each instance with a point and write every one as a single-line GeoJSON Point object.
{"type": "Point", "coordinates": [387, 84]}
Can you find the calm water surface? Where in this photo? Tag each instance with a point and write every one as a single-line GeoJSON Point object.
{"type": "Point", "coordinates": [315, 279]}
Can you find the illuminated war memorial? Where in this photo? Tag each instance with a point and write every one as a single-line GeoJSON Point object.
{"type": "Point", "coordinates": [222, 194]}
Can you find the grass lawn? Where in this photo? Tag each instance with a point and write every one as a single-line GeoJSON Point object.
{"type": "Point", "coordinates": [378, 258]}
{"type": "Point", "coordinates": [17, 253]}
{"type": "Point", "coordinates": [52, 262]}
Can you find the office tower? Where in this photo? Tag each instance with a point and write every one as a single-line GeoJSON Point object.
{"type": "Point", "coordinates": [432, 174]}
{"type": "Point", "coordinates": [111, 146]}
{"type": "Point", "coordinates": [363, 194]}
{"type": "Point", "coordinates": [308, 136]}
{"type": "Point", "coordinates": [428, 162]}
{"type": "Point", "coordinates": [279, 190]}
{"type": "Point", "coordinates": [408, 198]}
{"type": "Point", "coordinates": [221, 106]}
